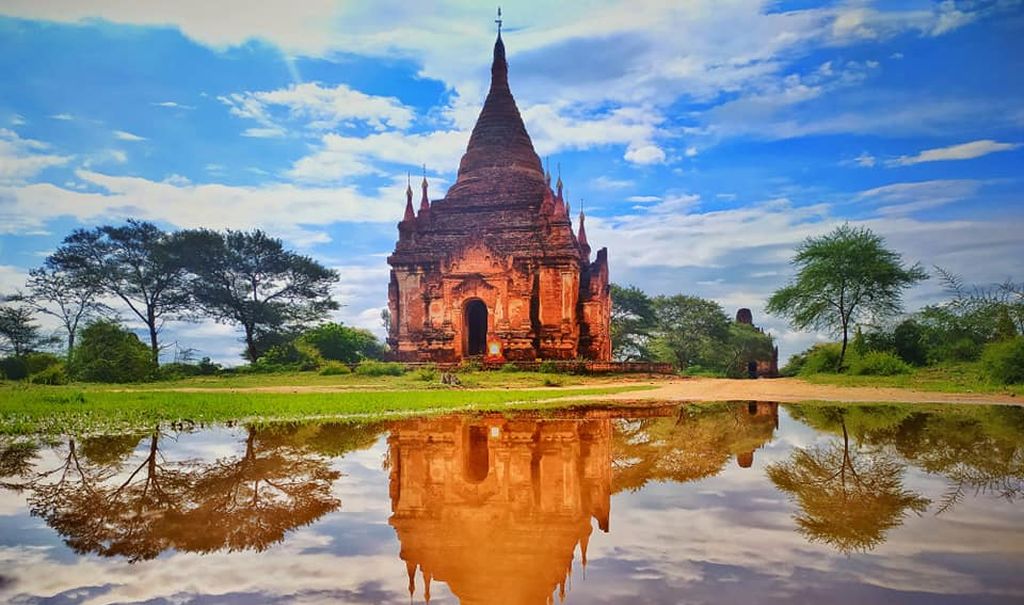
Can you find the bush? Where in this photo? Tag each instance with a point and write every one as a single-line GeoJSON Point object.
{"type": "Point", "coordinates": [108, 352]}
{"type": "Point", "coordinates": [963, 349]}
{"type": "Point", "coordinates": [52, 375]}
{"type": "Point", "coordinates": [289, 356]}
{"type": "Point", "coordinates": [13, 368]}
{"type": "Point", "coordinates": [509, 368]}
{"type": "Point", "coordinates": [470, 365]}
{"type": "Point", "coordinates": [173, 371]}
{"type": "Point", "coordinates": [1003, 362]}
{"type": "Point", "coordinates": [551, 381]}
{"type": "Point", "coordinates": [334, 368]}
{"type": "Point", "coordinates": [427, 374]}
{"type": "Point", "coordinates": [19, 368]}
{"type": "Point", "coordinates": [547, 367]}
{"type": "Point", "coordinates": [908, 341]}
{"type": "Point", "coordinates": [878, 363]}
{"type": "Point", "coordinates": [820, 359]}
{"type": "Point", "coordinates": [380, 368]}
{"type": "Point", "coordinates": [336, 342]}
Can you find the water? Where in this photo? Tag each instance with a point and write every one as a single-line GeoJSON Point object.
{"type": "Point", "coordinates": [730, 503]}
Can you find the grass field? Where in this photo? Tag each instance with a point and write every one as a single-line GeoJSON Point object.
{"type": "Point", "coordinates": [78, 409]}
{"type": "Point", "coordinates": [947, 378]}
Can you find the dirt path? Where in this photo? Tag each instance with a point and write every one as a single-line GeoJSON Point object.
{"type": "Point", "coordinates": [794, 390]}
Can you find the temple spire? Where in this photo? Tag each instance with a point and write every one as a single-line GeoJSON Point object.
{"type": "Point", "coordinates": [409, 213]}
{"type": "Point", "coordinates": [425, 201]}
{"type": "Point", "coordinates": [582, 237]}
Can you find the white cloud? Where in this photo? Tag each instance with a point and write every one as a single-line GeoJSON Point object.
{"type": "Point", "coordinates": [66, 117]}
{"type": "Point", "coordinates": [906, 198]}
{"type": "Point", "coordinates": [645, 154]}
{"type": "Point", "coordinates": [264, 133]}
{"type": "Point", "coordinates": [283, 209]}
{"type": "Point", "coordinates": [643, 199]}
{"type": "Point", "coordinates": [342, 157]}
{"type": "Point", "coordinates": [22, 159]}
{"type": "Point", "coordinates": [123, 135]}
{"type": "Point", "coordinates": [963, 151]}
{"type": "Point", "coordinates": [173, 105]}
{"type": "Point", "coordinates": [606, 182]}
{"type": "Point", "coordinates": [865, 160]}
{"type": "Point", "coordinates": [691, 152]}
{"type": "Point", "coordinates": [318, 108]}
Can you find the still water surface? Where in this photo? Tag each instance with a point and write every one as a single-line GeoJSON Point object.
{"type": "Point", "coordinates": [727, 503]}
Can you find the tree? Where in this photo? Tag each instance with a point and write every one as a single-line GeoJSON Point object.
{"type": "Point", "coordinates": [690, 331]}
{"type": "Point", "coordinates": [632, 321]}
{"type": "Point", "coordinates": [71, 298]}
{"type": "Point", "coordinates": [18, 331]}
{"type": "Point", "coordinates": [110, 353]}
{"type": "Point", "coordinates": [137, 262]}
{"type": "Point", "coordinates": [249, 279]}
{"type": "Point", "coordinates": [842, 277]}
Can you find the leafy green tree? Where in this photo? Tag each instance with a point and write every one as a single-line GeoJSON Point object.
{"type": "Point", "coordinates": [843, 277]}
{"type": "Point", "coordinates": [138, 263]}
{"type": "Point", "coordinates": [337, 342]}
{"type": "Point", "coordinates": [745, 344]}
{"type": "Point", "coordinates": [249, 279]}
{"type": "Point", "coordinates": [631, 323]}
{"type": "Point", "coordinates": [107, 352]}
{"type": "Point", "coordinates": [691, 331]}
{"type": "Point", "coordinates": [71, 298]}
{"type": "Point", "coordinates": [19, 333]}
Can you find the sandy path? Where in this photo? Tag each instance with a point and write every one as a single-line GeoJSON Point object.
{"type": "Point", "coordinates": [794, 390]}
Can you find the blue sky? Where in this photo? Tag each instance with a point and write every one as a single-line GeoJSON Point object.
{"type": "Point", "coordinates": [705, 139]}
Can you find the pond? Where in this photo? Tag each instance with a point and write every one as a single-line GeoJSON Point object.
{"type": "Point", "coordinates": [723, 503]}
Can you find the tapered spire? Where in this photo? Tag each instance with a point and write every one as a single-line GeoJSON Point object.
{"type": "Point", "coordinates": [499, 139]}
{"type": "Point", "coordinates": [409, 214]}
{"type": "Point", "coordinates": [582, 237]}
{"type": "Point", "coordinates": [425, 201]}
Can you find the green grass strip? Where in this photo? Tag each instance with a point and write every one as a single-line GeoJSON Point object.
{"type": "Point", "coordinates": [67, 410]}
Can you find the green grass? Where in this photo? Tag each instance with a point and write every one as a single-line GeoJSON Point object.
{"type": "Point", "coordinates": [410, 380]}
{"type": "Point", "coordinates": [947, 378]}
{"type": "Point", "coordinates": [74, 410]}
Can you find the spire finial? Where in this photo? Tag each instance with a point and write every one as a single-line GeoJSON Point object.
{"type": "Point", "coordinates": [409, 214]}
{"type": "Point", "coordinates": [498, 21]}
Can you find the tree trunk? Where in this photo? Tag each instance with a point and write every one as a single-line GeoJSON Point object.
{"type": "Point", "coordinates": [250, 344]}
{"type": "Point", "coordinates": [842, 351]}
{"type": "Point", "coordinates": [153, 343]}
{"type": "Point", "coordinates": [71, 344]}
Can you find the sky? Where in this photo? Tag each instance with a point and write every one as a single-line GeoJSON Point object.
{"type": "Point", "coordinates": [705, 138]}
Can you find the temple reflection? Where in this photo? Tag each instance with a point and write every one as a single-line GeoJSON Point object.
{"type": "Point", "coordinates": [497, 507]}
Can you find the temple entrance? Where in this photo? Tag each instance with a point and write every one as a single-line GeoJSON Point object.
{"type": "Point", "coordinates": [476, 327]}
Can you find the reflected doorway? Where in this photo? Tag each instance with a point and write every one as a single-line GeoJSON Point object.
{"type": "Point", "coordinates": [476, 327]}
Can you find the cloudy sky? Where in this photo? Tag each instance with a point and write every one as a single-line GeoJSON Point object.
{"type": "Point", "coordinates": [705, 138]}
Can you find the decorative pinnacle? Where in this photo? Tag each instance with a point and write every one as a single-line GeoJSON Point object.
{"type": "Point", "coordinates": [498, 21]}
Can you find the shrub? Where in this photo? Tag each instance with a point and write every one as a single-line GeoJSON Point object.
{"type": "Point", "coordinates": [509, 368]}
{"type": "Point", "coordinates": [334, 368]}
{"type": "Point", "coordinates": [336, 342]}
{"type": "Point", "coordinates": [13, 368]}
{"type": "Point", "coordinates": [963, 349]}
{"type": "Point", "coordinates": [289, 356]}
{"type": "Point", "coordinates": [53, 375]}
{"type": "Point", "coordinates": [552, 381]}
{"type": "Point", "coordinates": [908, 341]}
{"type": "Point", "coordinates": [108, 352]}
{"type": "Point", "coordinates": [173, 371]}
{"type": "Point", "coordinates": [878, 363]}
{"type": "Point", "coordinates": [547, 367]}
{"type": "Point", "coordinates": [821, 359]}
{"type": "Point", "coordinates": [380, 368]}
{"type": "Point", "coordinates": [1003, 362]}
{"type": "Point", "coordinates": [470, 365]}
{"type": "Point", "coordinates": [427, 374]}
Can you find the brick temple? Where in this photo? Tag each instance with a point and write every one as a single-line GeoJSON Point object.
{"type": "Point", "coordinates": [494, 269]}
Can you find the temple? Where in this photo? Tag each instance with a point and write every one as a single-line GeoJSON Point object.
{"type": "Point", "coordinates": [494, 269]}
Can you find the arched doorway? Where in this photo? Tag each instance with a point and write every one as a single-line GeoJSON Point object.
{"type": "Point", "coordinates": [476, 327]}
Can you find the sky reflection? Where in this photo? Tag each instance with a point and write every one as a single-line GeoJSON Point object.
{"type": "Point", "coordinates": [722, 503]}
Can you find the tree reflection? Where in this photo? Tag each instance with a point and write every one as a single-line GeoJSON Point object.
{"type": "Point", "coordinates": [848, 499]}
{"type": "Point", "coordinates": [693, 444]}
{"type": "Point", "coordinates": [105, 497]}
